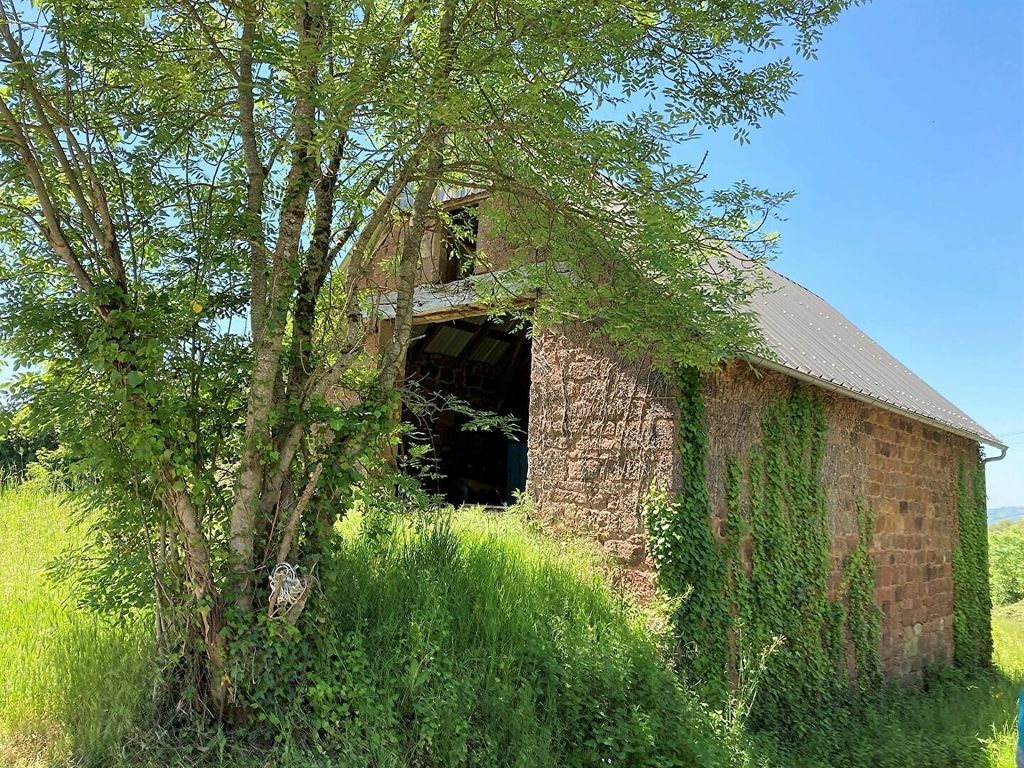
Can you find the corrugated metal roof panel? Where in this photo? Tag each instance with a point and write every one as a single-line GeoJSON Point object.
{"type": "Point", "coordinates": [804, 332]}
{"type": "Point", "coordinates": [489, 350]}
{"type": "Point", "coordinates": [448, 341]}
{"type": "Point", "coordinates": [808, 335]}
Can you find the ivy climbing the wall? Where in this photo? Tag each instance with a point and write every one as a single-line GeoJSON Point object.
{"type": "Point", "coordinates": [790, 562]}
{"type": "Point", "coordinates": [972, 602]}
{"type": "Point", "coordinates": [863, 616]}
{"type": "Point", "coordinates": [688, 558]}
{"type": "Point", "coordinates": [768, 574]}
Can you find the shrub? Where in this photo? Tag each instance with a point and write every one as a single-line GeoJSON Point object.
{"type": "Point", "coordinates": [21, 441]}
{"type": "Point", "coordinates": [1006, 563]}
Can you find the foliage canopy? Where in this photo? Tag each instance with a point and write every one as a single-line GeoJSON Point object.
{"type": "Point", "coordinates": [1006, 563]}
{"type": "Point", "coordinates": [192, 195]}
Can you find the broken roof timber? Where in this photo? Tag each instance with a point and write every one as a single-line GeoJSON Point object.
{"type": "Point", "coordinates": [474, 295]}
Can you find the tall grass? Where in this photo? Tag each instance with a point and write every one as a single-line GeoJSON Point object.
{"type": "Point", "coordinates": [1008, 638]}
{"type": "Point", "coordinates": [950, 719]}
{"type": "Point", "coordinates": [71, 684]}
{"type": "Point", "coordinates": [474, 643]}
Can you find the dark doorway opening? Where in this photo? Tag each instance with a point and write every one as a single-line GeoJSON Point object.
{"type": "Point", "coordinates": [484, 363]}
{"type": "Point", "coordinates": [458, 250]}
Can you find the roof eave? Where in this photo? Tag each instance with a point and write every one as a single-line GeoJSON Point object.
{"type": "Point", "coordinates": [460, 299]}
{"type": "Point", "coordinates": [864, 398]}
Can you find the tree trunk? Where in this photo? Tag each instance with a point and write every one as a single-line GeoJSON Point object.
{"type": "Point", "coordinates": [199, 574]}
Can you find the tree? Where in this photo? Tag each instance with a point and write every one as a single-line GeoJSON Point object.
{"type": "Point", "coordinates": [20, 444]}
{"type": "Point", "coordinates": [192, 195]}
{"type": "Point", "coordinates": [1006, 562]}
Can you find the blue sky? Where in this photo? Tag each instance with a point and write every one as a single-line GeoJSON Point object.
{"type": "Point", "coordinates": [905, 145]}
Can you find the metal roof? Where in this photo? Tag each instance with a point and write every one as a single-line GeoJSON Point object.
{"type": "Point", "coordinates": [808, 337]}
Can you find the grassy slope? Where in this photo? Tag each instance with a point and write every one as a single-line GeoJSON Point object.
{"type": "Point", "coordinates": [71, 685]}
{"type": "Point", "coordinates": [1008, 635]}
{"type": "Point", "coordinates": [476, 643]}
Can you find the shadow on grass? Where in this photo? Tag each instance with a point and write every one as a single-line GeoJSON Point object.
{"type": "Point", "coordinates": [951, 719]}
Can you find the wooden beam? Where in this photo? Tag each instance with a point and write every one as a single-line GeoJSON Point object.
{"type": "Point", "coordinates": [465, 325]}
{"type": "Point", "coordinates": [435, 328]}
{"type": "Point", "coordinates": [513, 354]}
{"type": "Point", "coordinates": [463, 310]}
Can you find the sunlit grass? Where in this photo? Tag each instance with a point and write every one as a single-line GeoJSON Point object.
{"type": "Point", "coordinates": [480, 641]}
{"type": "Point", "coordinates": [953, 719]}
{"type": "Point", "coordinates": [1008, 636]}
{"type": "Point", "coordinates": [71, 684]}
{"type": "Point", "coordinates": [494, 603]}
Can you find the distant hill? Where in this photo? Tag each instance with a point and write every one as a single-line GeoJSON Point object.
{"type": "Point", "coordinates": [1005, 514]}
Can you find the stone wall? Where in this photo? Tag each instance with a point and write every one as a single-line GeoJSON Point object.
{"type": "Point", "coordinates": [904, 470]}
{"type": "Point", "coordinates": [381, 276]}
{"type": "Point", "coordinates": [493, 251]}
{"type": "Point", "coordinates": [476, 382]}
{"type": "Point", "coordinates": [602, 431]}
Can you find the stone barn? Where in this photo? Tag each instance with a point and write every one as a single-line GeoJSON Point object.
{"type": "Point", "coordinates": [599, 432]}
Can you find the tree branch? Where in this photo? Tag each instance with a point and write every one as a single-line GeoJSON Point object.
{"type": "Point", "coordinates": [54, 230]}
{"type": "Point", "coordinates": [256, 174]}
{"type": "Point", "coordinates": [269, 343]}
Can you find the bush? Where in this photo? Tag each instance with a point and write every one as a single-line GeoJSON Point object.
{"type": "Point", "coordinates": [21, 441]}
{"type": "Point", "coordinates": [1006, 563]}
{"type": "Point", "coordinates": [476, 643]}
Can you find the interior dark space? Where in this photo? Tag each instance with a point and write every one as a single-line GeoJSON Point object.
{"type": "Point", "coordinates": [458, 256]}
{"type": "Point", "coordinates": [486, 364]}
